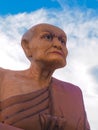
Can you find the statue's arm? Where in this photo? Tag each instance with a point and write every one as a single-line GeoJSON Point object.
{"type": "Point", "coordinates": [1, 75]}
{"type": "Point", "coordinates": [2, 125]}
{"type": "Point", "coordinates": [83, 119]}
{"type": "Point", "coordinates": [1, 78]}
{"type": "Point", "coordinates": [87, 124]}
{"type": "Point", "coordinates": [2, 71]}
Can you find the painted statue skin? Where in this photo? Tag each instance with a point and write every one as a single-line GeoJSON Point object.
{"type": "Point", "coordinates": [45, 47]}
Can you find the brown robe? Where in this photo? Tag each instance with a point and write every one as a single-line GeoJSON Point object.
{"type": "Point", "coordinates": [57, 107]}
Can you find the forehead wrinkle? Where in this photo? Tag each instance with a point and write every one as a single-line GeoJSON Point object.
{"type": "Point", "coordinates": [36, 30]}
{"type": "Point", "coordinates": [62, 34]}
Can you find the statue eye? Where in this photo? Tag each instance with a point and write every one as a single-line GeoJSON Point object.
{"type": "Point", "coordinates": [47, 37]}
{"type": "Point", "coordinates": [62, 40]}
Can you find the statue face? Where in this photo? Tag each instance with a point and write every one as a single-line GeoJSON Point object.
{"type": "Point", "coordinates": [48, 46]}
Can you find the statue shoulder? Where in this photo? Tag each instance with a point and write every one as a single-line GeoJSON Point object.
{"type": "Point", "coordinates": [66, 86]}
{"type": "Point", "coordinates": [3, 72]}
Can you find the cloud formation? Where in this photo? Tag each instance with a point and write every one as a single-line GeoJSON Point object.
{"type": "Point", "coordinates": [82, 32]}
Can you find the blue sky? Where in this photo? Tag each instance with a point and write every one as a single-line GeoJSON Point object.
{"type": "Point", "coordinates": [79, 19]}
{"type": "Point", "coordinates": [19, 6]}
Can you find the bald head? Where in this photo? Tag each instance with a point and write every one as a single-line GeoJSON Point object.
{"type": "Point", "coordinates": [34, 33]}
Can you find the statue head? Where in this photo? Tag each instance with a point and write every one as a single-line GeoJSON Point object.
{"type": "Point", "coordinates": [45, 41]}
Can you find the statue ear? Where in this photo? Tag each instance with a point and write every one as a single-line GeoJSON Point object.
{"type": "Point", "coordinates": [26, 48]}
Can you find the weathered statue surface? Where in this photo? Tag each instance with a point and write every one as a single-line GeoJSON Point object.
{"type": "Point", "coordinates": [32, 99]}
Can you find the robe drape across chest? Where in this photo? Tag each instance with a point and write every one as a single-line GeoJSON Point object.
{"type": "Point", "coordinates": [57, 107]}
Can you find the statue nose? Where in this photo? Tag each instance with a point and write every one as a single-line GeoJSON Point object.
{"type": "Point", "coordinates": [57, 46]}
{"type": "Point", "coordinates": [57, 43]}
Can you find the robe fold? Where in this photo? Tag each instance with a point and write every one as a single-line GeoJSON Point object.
{"type": "Point", "coordinates": [57, 107]}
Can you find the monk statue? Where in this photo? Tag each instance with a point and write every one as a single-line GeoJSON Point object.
{"type": "Point", "coordinates": [33, 99]}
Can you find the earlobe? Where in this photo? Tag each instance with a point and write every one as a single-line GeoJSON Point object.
{"type": "Point", "coordinates": [26, 48]}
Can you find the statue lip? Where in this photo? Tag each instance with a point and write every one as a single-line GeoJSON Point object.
{"type": "Point", "coordinates": [58, 52]}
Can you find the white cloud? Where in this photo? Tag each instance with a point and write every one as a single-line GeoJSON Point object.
{"type": "Point", "coordinates": [82, 31]}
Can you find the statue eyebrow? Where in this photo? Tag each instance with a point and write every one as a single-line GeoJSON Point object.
{"type": "Point", "coordinates": [51, 32]}
{"type": "Point", "coordinates": [47, 31]}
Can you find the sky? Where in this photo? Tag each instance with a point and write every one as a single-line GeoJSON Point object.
{"type": "Point", "coordinates": [19, 6]}
{"type": "Point", "coordinates": [79, 19]}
